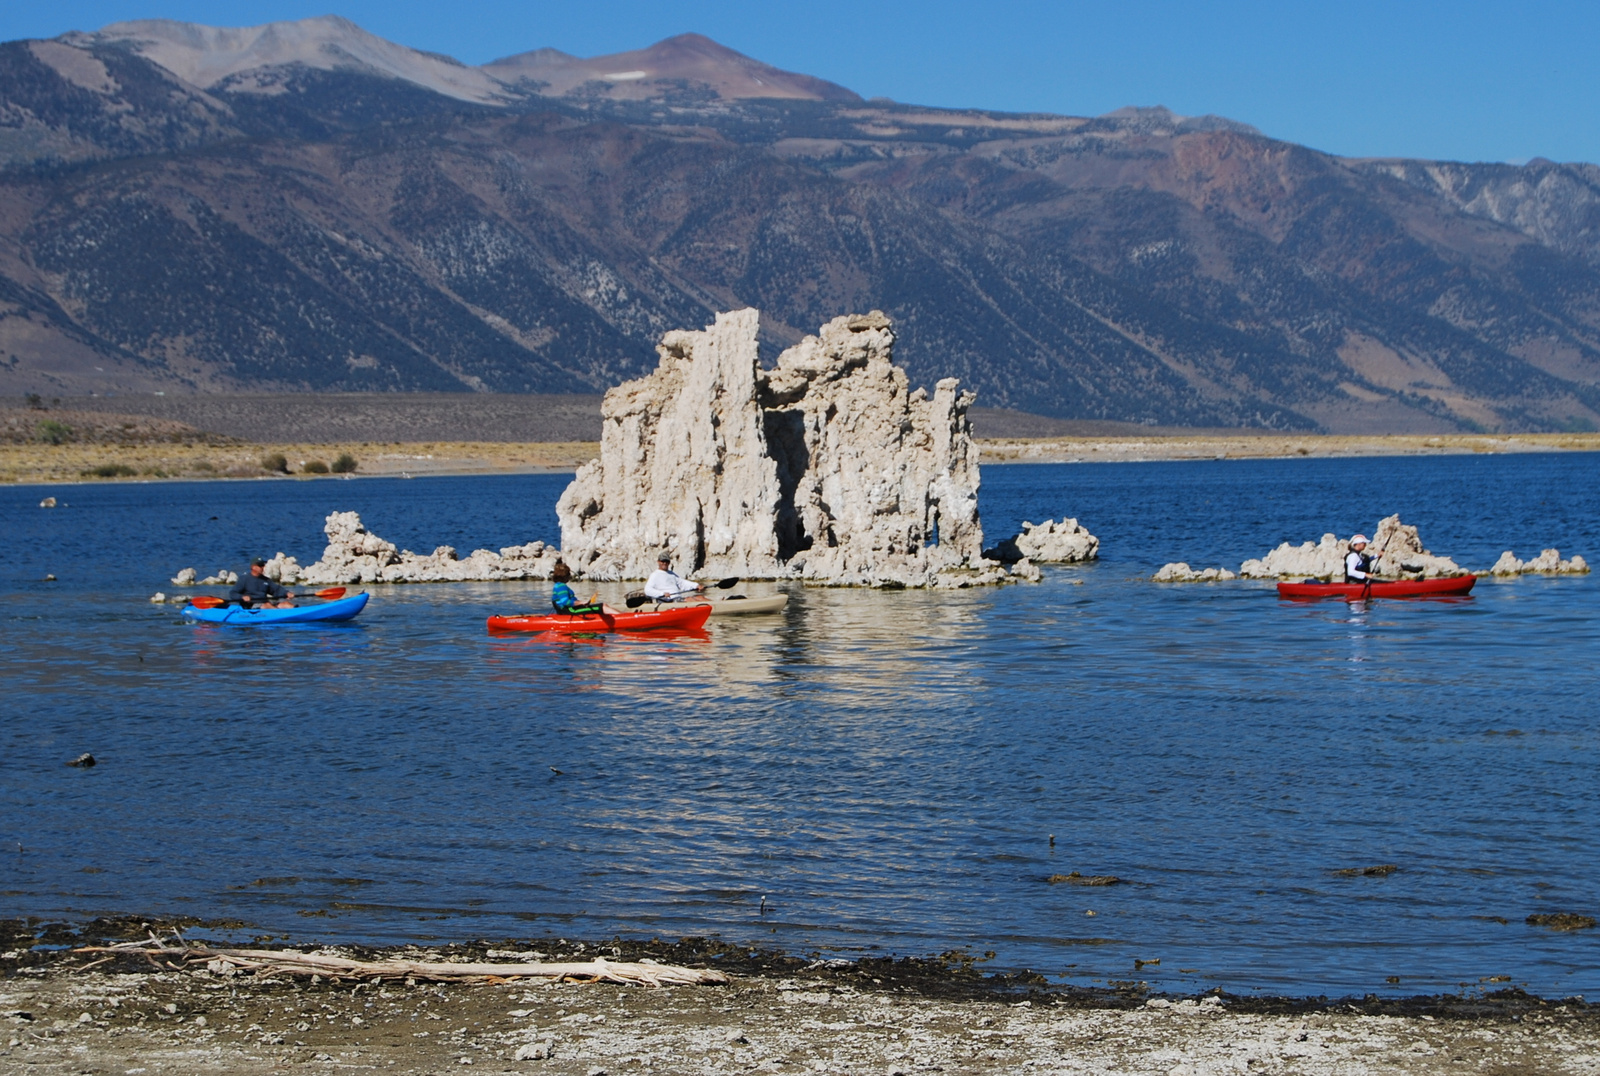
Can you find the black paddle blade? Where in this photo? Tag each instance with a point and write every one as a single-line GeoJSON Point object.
{"type": "Point", "coordinates": [728, 583]}
{"type": "Point", "coordinates": [633, 601]}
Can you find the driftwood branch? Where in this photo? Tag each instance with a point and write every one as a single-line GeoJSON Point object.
{"type": "Point", "coordinates": [292, 962]}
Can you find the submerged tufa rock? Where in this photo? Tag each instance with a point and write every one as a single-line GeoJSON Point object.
{"type": "Point", "coordinates": [826, 467]}
{"type": "Point", "coordinates": [1548, 562]}
{"type": "Point", "coordinates": [1395, 546]}
{"type": "Point", "coordinates": [1180, 572]}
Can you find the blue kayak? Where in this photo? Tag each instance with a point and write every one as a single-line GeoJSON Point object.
{"type": "Point", "coordinates": [343, 609]}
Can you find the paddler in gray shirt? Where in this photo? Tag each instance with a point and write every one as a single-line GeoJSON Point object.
{"type": "Point", "coordinates": [256, 591]}
{"type": "Point", "coordinates": [665, 585]}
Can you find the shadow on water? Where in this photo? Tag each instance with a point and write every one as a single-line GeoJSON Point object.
{"type": "Point", "coordinates": [885, 768]}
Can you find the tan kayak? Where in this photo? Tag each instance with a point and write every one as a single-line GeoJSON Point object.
{"type": "Point", "coordinates": [739, 605]}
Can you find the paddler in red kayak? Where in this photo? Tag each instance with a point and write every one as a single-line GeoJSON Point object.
{"type": "Point", "coordinates": [666, 585]}
{"type": "Point", "coordinates": [566, 601]}
{"type": "Point", "coordinates": [256, 591]}
{"type": "Point", "coordinates": [1357, 565]}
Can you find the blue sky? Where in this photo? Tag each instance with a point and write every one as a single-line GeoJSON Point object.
{"type": "Point", "coordinates": [1465, 80]}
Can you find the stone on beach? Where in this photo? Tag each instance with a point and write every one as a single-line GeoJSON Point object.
{"type": "Point", "coordinates": [1548, 562]}
{"type": "Point", "coordinates": [825, 467]}
{"type": "Point", "coordinates": [1396, 548]}
{"type": "Point", "coordinates": [1180, 572]}
{"type": "Point", "coordinates": [355, 555]}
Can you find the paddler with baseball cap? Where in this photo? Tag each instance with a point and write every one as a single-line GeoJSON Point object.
{"type": "Point", "coordinates": [256, 591]}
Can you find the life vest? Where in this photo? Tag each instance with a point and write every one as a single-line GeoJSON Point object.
{"type": "Point", "coordinates": [1363, 563]}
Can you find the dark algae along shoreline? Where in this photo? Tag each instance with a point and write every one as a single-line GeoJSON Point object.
{"type": "Point", "coordinates": [34, 946]}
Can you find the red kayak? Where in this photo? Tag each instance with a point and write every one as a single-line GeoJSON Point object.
{"type": "Point", "coordinates": [1455, 585]}
{"type": "Point", "coordinates": [671, 616]}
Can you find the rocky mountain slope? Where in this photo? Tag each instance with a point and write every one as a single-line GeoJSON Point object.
{"type": "Point", "coordinates": [305, 206]}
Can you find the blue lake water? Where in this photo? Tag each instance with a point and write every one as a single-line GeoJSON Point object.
{"type": "Point", "coordinates": [885, 768]}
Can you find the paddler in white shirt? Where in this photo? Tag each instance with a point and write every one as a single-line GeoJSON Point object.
{"type": "Point", "coordinates": [665, 585]}
{"type": "Point", "coordinates": [1357, 565]}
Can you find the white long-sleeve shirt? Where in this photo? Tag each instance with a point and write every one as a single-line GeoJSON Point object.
{"type": "Point", "coordinates": [1352, 566]}
{"type": "Point", "coordinates": [664, 583]}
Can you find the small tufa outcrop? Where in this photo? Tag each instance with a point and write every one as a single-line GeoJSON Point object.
{"type": "Point", "coordinates": [1057, 543]}
{"type": "Point", "coordinates": [1049, 543]}
{"type": "Point", "coordinates": [1180, 572]}
{"type": "Point", "coordinates": [1395, 546]}
{"type": "Point", "coordinates": [826, 467]}
{"type": "Point", "coordinates": [355, 555]}
{"type": "Point", "coordinates": [185, 578]}
{"type": "Point", "coordinates": [1548, 562]}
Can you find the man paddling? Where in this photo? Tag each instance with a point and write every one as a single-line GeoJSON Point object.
{"type": "Point", "coordinates": [256, 591]}
{"type": "Point", "coordinates": [1357, 565]}
{"type": "Point", "coordinates": [665, 585]}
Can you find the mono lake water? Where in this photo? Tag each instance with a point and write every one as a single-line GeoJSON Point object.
{"type": "Point", "coordinates": [884, 768]}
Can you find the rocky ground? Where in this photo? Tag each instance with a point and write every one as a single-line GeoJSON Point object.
{"type": "Point", "coordinates": [780, 1014]}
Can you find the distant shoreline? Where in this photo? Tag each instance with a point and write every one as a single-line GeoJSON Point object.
{"type": "Point", "coordinates": [74, 463]}
{"type": "Point", "coordinates": [1252, 445]}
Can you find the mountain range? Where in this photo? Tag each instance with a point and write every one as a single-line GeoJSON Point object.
{"type": "Point", "coordinates": [308, 207]}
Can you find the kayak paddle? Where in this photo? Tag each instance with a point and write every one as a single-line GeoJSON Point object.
{"type": "Point", "coordinates": [211, 601]}
{"type": "Point", "coordinates": [639, 597]}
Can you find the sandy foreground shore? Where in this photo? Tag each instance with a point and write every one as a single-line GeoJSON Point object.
{"type": "Point", "coordinates": [80, 461]}
{"type": "Point", "coordinates": [779, 1014]}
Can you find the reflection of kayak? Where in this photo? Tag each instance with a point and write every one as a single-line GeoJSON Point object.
{"type": "Point", "coordinates": [1399, 588]}
{"type": "Point", "coordinates": [669, 616]}
{"type": "Point", "coordinates": [738, 604]}
{"type": "Point", "coordinates": [343, 609]}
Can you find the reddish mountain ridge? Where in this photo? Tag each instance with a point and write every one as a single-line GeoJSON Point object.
{"type": "Point", "coordinates": [306, 206]}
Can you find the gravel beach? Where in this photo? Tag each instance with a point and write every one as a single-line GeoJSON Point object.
{"type": "Point", "coordinates": [779, 1014]}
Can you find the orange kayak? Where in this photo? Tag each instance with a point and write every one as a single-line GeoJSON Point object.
{"type": "Point", "coordinates": [1397, 588]}
{"type": "Point", "coordinates": [671, 616]}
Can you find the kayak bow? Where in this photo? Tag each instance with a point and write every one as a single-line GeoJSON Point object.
{"type": "Point", "coordinates": [739, 605]}
{"type": "Point", "coordinates": [1455, 585]}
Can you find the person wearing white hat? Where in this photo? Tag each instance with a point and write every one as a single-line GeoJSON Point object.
{"type": "Point", "coordinates": [1357, 565]}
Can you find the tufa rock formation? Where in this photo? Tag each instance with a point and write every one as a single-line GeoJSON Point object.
{"type": "Point", "coordinates": [1047, 543]}
{"type": "Point", "coordinates": [1180, 572]}
{"type": "Point", "coordinates": [825, 467]}
{"type": "Point", "coordinates": [355, 555]}
{"type": "Point", "coordinates": [1548, 562]}
{"type": "Point", "coordinates": [1396, 548]}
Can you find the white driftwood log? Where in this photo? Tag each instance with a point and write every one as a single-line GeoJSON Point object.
{"type": "Point", "coordinates": [291, 962]}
